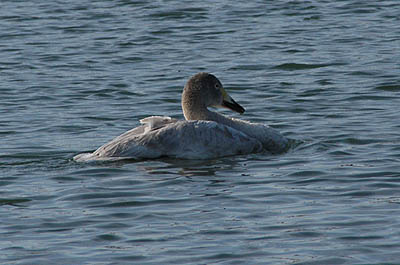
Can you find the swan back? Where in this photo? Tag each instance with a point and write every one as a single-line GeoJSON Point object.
{"type": "Point", "coordinates": [180, 139]}
{"type": "Point", "coordinates": [271, 139]}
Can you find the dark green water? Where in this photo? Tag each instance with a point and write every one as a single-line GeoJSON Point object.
{"type": "Point", "coordinates": [73, 75]}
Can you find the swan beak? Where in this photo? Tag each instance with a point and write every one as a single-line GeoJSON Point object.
{"type": "Point", "coordinates": [229, 103]}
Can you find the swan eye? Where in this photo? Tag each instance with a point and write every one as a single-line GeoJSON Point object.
{"type": "Point", "coordinates": [217, 86]}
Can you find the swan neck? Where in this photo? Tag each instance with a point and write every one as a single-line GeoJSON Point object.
{"type": "Point", "coordinates": [193, 106]}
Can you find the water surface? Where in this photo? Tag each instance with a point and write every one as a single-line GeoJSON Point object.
{"type": "Point", "coordinates": [74, 75]}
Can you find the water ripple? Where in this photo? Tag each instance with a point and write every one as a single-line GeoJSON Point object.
{"type": "Point", "coordinates": [75, 75]}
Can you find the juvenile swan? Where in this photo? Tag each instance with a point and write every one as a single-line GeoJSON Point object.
{"type": "Point", "coordinates": [204, 134]}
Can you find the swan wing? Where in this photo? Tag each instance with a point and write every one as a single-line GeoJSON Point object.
{"type": "Point", "coordinates": [270, 138]}
{"type": "Point", "coordinates": [202, 140]}
{"type": "Point", "coordinates": [120, 144]}
{"type": "Point", "coordinates": [180, 139]}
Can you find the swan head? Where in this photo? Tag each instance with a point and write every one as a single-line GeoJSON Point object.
{"type": "Point", "coordinates": [205, 90]}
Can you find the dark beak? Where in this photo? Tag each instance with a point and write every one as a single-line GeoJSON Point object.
{"type": "Point", "coordinates": [232, 105]}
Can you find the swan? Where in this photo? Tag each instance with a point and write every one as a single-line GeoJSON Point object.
{"type": "Point", "coordinates": [203, 134]}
